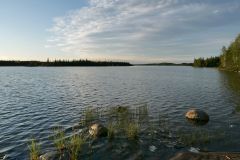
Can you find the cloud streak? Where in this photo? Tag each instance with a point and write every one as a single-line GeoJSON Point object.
{"type": "Point", "coordinates": [154, 28]}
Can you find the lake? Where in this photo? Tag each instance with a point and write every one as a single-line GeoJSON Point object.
{"type": "Point", "coordinates": [34, 100]}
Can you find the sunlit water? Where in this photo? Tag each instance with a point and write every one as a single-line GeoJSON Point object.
{"type": "Point", "coordinates": [35, 100]}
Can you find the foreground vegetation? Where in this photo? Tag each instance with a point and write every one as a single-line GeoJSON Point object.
{"type": "Point", "coordinates": [63, 63]}
{"type": "Point", "coordinates": [128, 130]}
{"type": "Point", "coordinates": [228, 60]}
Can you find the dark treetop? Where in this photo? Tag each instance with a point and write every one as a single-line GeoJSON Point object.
{"type": "Point", "coordinates": [63, 63]}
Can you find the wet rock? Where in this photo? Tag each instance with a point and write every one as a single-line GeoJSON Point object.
{"type": "Point", "coordinates": [194, 150]}
{"type": "Point", "coordinates": [197, 116]}
{"type": "Point", "coordinates": [207, 156]}
{"type": "Point", "coordinates": [152, 148]}
{"type": "Point", "coordinates": [4, 157]}
{"type": "Point", "coordinates": [48, 156]}
{"type": "Point", "coordinates": [97, 130]}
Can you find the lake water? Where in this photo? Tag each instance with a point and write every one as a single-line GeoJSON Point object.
{"type": "Point", "coordinates": [35, 100]}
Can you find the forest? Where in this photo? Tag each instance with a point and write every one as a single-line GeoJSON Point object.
{"type": "Point", "coordinates": [229, 58]}
{"type": "Point", "coordinates": [208, 62]}
{"type": "Point", "coordinates": [63, 63]}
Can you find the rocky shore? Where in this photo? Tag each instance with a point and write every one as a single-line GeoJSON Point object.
{"type": "Point", "coordinates": [207, 156]}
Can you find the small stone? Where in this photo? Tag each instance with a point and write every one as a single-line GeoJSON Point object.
{"type": "Point", "coordinates": [48, 156]}
{"type": "Point", "coordinates": [152, 148]}
{"type": "Point", "coordinates": [4, 157]}
{"type": "Point", "coordinates": [194, 150]}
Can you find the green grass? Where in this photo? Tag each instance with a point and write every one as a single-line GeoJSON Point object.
{"type": "Point", "coordinates": [237, 108]}
{"type": "Point", "coordinates": [111, 131]}
{"type": "Point", "coordinates": [195, 138]}
{"type": "Point", "coordinates": [200, 137]}
{"type": "Point", "coordinates": [132, 130]}
{"type": "Point", "coordinates": [89, 116]}
{"type": "Point", "coordinates": [34, 150]}
{"type": "Point", "coordinates": [75, 146]}
{"type": "Point", "coordinates": [59, 140]}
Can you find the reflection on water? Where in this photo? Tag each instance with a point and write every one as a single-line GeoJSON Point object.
{"type": "Point", "coordinates": [232, 82]}
{"type": "Point", "coordinates": [35, 100]}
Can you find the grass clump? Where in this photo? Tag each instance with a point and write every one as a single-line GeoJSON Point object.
{"type": "Point", "coordinates": [59, 140]}
{"type": "Point", "coordinates": [132, 130]}
{"type": "Point", "coordinates": [195, 138]}
{"type": "Point", "coordinates": [34, 149]}
{"type": "Point", "coordinates": [111, 131]}
{"type": "Point", "coordinates": [75, 146]}
{"type": "Point", "coordinates": [88, 117]}
{"type": "Point", "coordinates": [200, 137]}
{"type": "Point", "coordinates": [237, 108]}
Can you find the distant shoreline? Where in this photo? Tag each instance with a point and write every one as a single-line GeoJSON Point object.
{"type": "Point", "coordinates": [61, 63]}
{"type": "Point", "coordinates": [165, 64]}
{"type": "Point", "coordinates": [80, 63]}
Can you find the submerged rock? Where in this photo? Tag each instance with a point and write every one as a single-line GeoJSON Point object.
{"type": "Point", "coordinates": [48, 156]}
{"type": "Point", "coordinates": [207, 156]}
{"type": "Point", "coordinates": [197, 116]}
{"type": "Point", "coordinates": [152, 148]}
{"type": "Point", "coordinates": [97, 130]}
{"type": "Point", "coordinates": [194, 150]}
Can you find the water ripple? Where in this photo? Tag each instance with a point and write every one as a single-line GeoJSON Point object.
{"type": "Point", "coordinates": [35, 100]}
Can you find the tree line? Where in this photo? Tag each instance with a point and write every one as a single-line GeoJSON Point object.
{"type": "Point", "coordinates": [229, 58]}
{"type": "Point", "coordinates": [208, 62]}
{"type": "Point", "coordinates": [62, 63]}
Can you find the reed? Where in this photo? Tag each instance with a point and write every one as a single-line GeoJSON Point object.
{"type": "Point", "coordinates": [59, 140]}
{"type": "Point", "coordinates": [75, 146]}
{"type": "Point", "coordinates": [111, 131]}
{"type": "Point", "coordinates": [132, 130]}
{"type": "Point", "coordinates": [34, 149]}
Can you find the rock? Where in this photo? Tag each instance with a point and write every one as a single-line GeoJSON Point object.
{"type": "Point", "coordinates": [152, 148]}
{"type": "Point", "coordinates": [207, 156]}
{"type": "Point", "coordinates": [194, 150]}
{"type": "Point", "coordinates": [97, 130]}
{"type": "Point", "coordinates": [48, 156]}
{"type": "Point", "coordinates": [197, 115]}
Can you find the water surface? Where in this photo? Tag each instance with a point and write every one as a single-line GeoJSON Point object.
{"type": "Point", "coordinates": [33, 100]}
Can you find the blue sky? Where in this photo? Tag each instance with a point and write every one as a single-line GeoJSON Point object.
{"type": "Point", "coordinates": [138, 31]}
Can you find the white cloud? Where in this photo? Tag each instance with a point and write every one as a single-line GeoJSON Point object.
{"type": "Point", "coordinates": [135, 27]}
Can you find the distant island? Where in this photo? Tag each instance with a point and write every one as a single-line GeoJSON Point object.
{"type": "Point", "coordinates": [165, 64]}
{"type": "Point", "coordinates": [229, 58]}
{"type": "Point", "coordinates": [62, 63]}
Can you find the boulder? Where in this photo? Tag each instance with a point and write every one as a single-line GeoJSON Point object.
{"type": "Point", "coordinates": [197, 115]}
{"type": "Point", "coordinates": [97, 130]}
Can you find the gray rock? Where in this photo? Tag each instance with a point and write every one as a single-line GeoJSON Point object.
{"type": "Point", "coordinates": [97, 130]}
{"type": "Point", "coordinates": [48, 156]}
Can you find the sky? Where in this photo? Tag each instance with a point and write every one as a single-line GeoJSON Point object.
{"type": "Point", "coordinates": [138, 31]}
